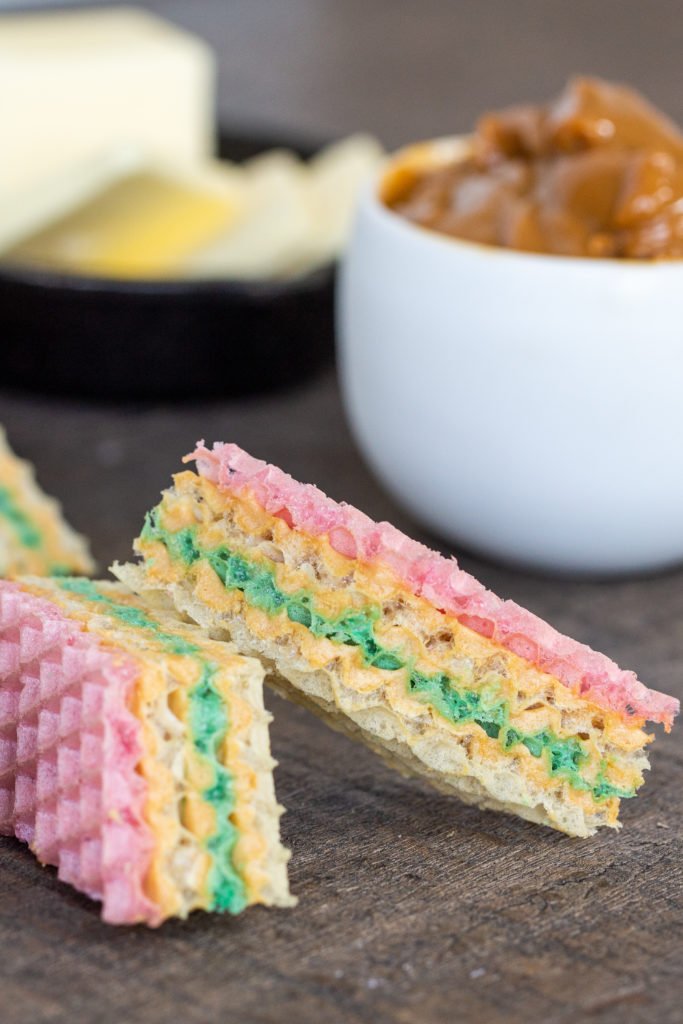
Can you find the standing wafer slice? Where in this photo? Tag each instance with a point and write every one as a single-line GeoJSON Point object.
{"type": "Point", "coordinates": [134, 754]}
{"type": "Point", "coordinates": [397, 646]}
{"type": "Point", "coordinates": [34, 538]}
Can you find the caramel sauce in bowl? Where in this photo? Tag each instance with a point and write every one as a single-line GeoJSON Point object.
{"type": "Point", "coordinates": [524, 405]}
{"type": "Point", "coordinates": [597, 173]}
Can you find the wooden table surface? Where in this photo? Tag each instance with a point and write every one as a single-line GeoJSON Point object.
{"type": "Point", "coordinates": [413, 908]}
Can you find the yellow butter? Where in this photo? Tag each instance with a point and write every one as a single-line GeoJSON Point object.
{"type": "Point", "coordinates": [143, 225]}
{"type": "Point", "coordinates": [78, 83]}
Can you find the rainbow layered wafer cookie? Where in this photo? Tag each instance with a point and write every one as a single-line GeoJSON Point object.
{"type": "Point", "coordinates": [397, 646]}
{"type": "Point", "coordinates": [33, 535]}
{"type": "Point", "coordinates": [134, 754]}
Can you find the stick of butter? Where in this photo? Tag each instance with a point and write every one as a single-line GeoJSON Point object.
{"type": "Point", "coordinates": [79, 83]}
{"type": "Point", "coordinates": [130, 218]}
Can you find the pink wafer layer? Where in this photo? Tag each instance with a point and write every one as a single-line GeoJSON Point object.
{"type": "Point", "coordinates": [69, 747]}
{"type": "Point", "coordinates": [438, 579]}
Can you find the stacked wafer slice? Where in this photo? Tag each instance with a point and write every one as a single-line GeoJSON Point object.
{"type": "Point", "coordinates": [397, 646]}
{"type": "Point", "coordinates": [134, 753]}
{"type": "Point", "coordinates": [34, 538]}
{"type": "Point", "coordinates": [134, 749]}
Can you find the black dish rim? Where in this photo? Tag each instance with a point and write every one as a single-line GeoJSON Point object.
{"type": "Point", "coordinates": [175, 339]}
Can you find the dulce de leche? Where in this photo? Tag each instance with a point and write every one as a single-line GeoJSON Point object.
{"type": "Point", "coordinates": [598, 172]}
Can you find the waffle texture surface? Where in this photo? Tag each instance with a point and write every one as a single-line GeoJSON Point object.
{"type": "Point", "coordinates": [134, 754]}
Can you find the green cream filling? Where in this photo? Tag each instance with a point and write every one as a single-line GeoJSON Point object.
{"type": "Point", "coordinates": [28, 534]}
{"type": "Point", "coordinates": [208, 724]}
{"type": "Point", "coordinates": [564, 757]}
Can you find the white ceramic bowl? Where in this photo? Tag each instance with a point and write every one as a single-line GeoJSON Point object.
{"type": "Point", "coordinates": [528, 407]}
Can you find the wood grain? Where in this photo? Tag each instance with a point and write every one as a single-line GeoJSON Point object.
{"type": "Point", "coordinates": [413, 909]}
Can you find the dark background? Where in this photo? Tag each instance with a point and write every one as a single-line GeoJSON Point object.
{"type": "Point", "coordinates": [410, 69]}
{"type": "Point", "coordinates": [413, 908]}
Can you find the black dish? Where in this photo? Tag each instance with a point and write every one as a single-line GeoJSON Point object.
{"type": "Point", "coordinates": [99, 338]}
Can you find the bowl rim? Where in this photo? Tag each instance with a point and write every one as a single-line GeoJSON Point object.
{"type": "Point", "coordinates": [452, 145]}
